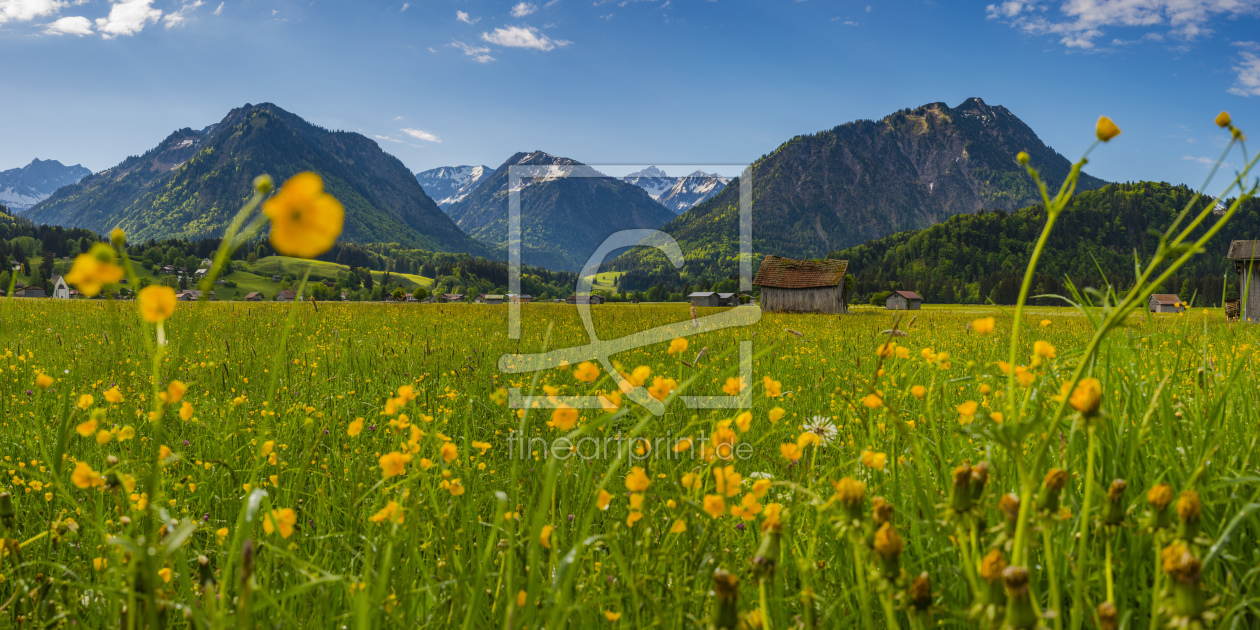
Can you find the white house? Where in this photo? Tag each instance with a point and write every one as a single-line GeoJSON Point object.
{"type": "Point", "coordinates": [1165, 303]}
{"type": "Point", "coordinates": [60, 289]}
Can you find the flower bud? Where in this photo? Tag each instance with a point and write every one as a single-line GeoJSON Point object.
{"type": "Point", "coordinates": [1051, 487]}
{"type": "Point", "coordinates": [1189, 508]}
{"type": "Point", "coordinates": [1106, 130]}
{"type": "Point", "coordinates": [1009, 507]}
{"type": "Point", "coordinates": [1115, 503]}
{"type": "Point", "coordinates": [960, 492]}
{"type": "Point", "coordinates": [118, 237]}
{"type": "Point", "coordinates": [1087, 397]}
{"type": "Point", "coordinates": [921, 592]}
{"type": "Point", "coordinates": [1019, 610]}
{"type": "Point", "coordinates": [881, 510]}
{"type": "Point", "coordinates": [8, 513]}
{"type": "Point", "coordinates": [888, 545]}
{"type": "Point", "coordinates": [767, 557]}
{"type": "Point", "coordinates": [851, 494]}
{"type": "Point", "coordinates": [1159, 497]}
{"type": "Point", "coordinates": [206, 572]}
{"type": "Point", "coordinates": [726, 589]}
{"type": "Point", "coordinates": [1022, 158]}
{"type": "Point", "coordinates": [979, 479]}
{"type": "Point", "coordinates": [1222, 120]}
{"type": "Point", "coordinates": [1108, 617]}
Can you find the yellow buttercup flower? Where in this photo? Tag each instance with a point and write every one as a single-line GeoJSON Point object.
{"type": "Point", "coordinates": [637, 480]}
{"type": "Point", "coordinates": [85, 401]}
{"type": "Point", "coordinates": [355, 428]}
{"type": "Point", "coordinates": [43, 381]}
{"type": "Point", "coordinates": [734, 385]}
{"type": "Point", "coordinates": [774, 388]}
{"type": "Point", "coordinates": [281, 520]}
{"type": "Point", "coordinates": [1087, 396]}
{"type": "Point", "coordinates": [1223, 120]}
{"type": "Point", "coordinates": [983, 326]}
{"type": "Point", "coordinates": [874, 460]}
{"type": "Point", "coordinates": [392, 512]}
{"type": "Point", "coordinates": [1106, 130]}
{"type": "Point", "coordinates": [918, 391]}
{"type": "Point", "coordinates": [872, 401]}
{"type": "Point", "coordinates": [449, 452]}
{"type": "Point", "coordinates": [678, 345]}
{"type": "Point", "coordinates": [714, 505]}
{"type": "Point", "coordinates": [84, 477]}
{"type": "Point", "coordinates": [394, 464]}
{"type": "Point", "coordinates": [94, 270]}
{"type": "Point", "coordinates": [165, 574]}
{"type": "Point", "coordinates": [604, 498]}
{"type": "Point", "coordinates": [776, 414]}
{"type": "Point", "coordinates": [305, 220]}
{"type": "Point", "coordinates": [157, 303]}
{"type": "Point", "coordinates": [1043, 349]}
{"type": "Point", "coordinates": [563, 418]}
{"type": "Point", "coordinates": [586, 372]}
{"type": "Point", "coordinates": [112, 395]}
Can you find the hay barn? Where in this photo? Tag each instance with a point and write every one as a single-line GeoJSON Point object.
{"type": "Point", "coordinates": [802, 286]}
{"type": "Point", "coordinates": [1246, 258]}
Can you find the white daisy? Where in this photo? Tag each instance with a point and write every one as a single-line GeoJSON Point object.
{"type": "Point", "coordinates": [823, 427]}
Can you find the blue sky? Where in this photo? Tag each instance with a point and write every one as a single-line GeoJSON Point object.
{"type": "Point", "coordinates": [648, 81]}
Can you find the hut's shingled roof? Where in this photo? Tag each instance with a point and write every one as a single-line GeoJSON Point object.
{"type": "Point", "coordinates": [909, 295]}
{"type": "Point", "coordinates": [1243, 250]}
{"type": "Point", "coordinates": [1166, 299]}
{"type": "Point", "coordinates": [786, 273]}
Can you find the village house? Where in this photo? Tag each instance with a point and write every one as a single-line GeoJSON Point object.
{"type": "Point", "coordinates": [1165, 303]}
{"type": "Point", "coordinates": [520, 299]}
{"type": "Point", "coordinates": [586, 299]}
{"type": "Point", "coordinates": [452, 297]}
{"type": "Point", "coordinates": [804, 286]}
{"type": "Point", "coordinates": [285, 295]}
{"type": "Point", "coordinates": [254, 296]}
{"type": "Point", "coordinates": [29, 292]}
{"type": "Point", "coordinates": [903, 301]}
{"type": "Point", "coordinates": [489, 298]}
{"type": "Point", "coordinates": [1246, 258]}
{"type": "Point", "coordinates": [60, 289]}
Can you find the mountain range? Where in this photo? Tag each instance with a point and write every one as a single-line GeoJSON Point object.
{"type": "Point", "coordinates": [193, 182]}
{"type": "Point", "coordinates": [449, 184]}
{"type": "Point", "coordinates": [21, 188]}
{"type": "Point", "coordinates": [866, 179]}
{"type": "Point", "coordinates": [566, 212]}
{"type": "Point", "coordinates": [678, 194]}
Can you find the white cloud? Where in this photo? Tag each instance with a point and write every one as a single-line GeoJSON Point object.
{"type": "Point", "coordinates": [523, 9]}
{"type": "Point", "coordinates": [523, 37]}
{"type": "Point", "coordinates": [178, 18]}
{"type": "Point", "coordinates": [480, 54]}
{"type": "Point", "coordinates": [387, 138]}
{"type": "Point", "coordinates": [420, 134]}
{"type": "Point", "coordinates": [26, 10]}
{"type": "Point", "coordinates": [77, 25]}
{"type": "Point", "coordinates": [218, 9]}
{"type": "Point", "coordinates": [1200, 159]}
{"type": "Point", "coordinates": [463, 17]}
{"type": "Point", "coordinates": [1247, 83]}
{"type": "Point", "coordinates": [1078, 23]}
{"type": "Point", "coordinates": [127, 17]}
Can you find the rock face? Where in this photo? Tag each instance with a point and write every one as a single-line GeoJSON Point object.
{"type": "Point", "coordinates": [677, 193]}
{"type": "Point", "coordinates": [193, 182]}
{"type": "Point", "coordinates": [563, 219]}
{"type": "Point", "coordinates": [449, 184]}
{"type": "Point", "coordinates": [21, 188]}
{"type": "Point", "coordinates": [867, 179]}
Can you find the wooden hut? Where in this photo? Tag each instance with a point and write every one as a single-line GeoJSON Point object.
{"type": "Point", "coordinates": [489, 298]}
{"type": "Point", "coordinates": [703, 298]}
{"type": "Point", "coordinates": [808, 286]}
{"type": "Point", "coordinates": [1165, 303]}
{"type": "Point", "coordinates": [903, 301]}
{"type": "Point", "coordinates": [1246, 258]}
{"type": "Point", "coordinates": [585, 299]}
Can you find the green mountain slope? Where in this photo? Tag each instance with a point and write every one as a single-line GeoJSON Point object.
{"type": "Point", "coordinates": [867, 179]}
{"type": "Point", "coordinates": [977, 257]}
{"type": "Point", "coordinates": [563, 219]}
{"type": "Point", "coordinates": [191, 184]}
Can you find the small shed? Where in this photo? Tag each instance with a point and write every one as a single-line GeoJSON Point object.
{"type": "Point", "coordinates": [29, 292]}
{"type": "Point", "coordinates": [285, 295]}
{"type": "Point", "coordinates": [1165, 303]}
{"type": "Point", "coordinates": [452, 297]}
{"type": "Point", "coordinates": [808, 286]}
{"type": "Point", "coordinates": [703, 298]}
{"type": "Point", "coordinates": [254, 296]}
{"type": "Point", "coordinates": [585, 299]}
{"type": "Point", "coordinates": [728, 299]}
{"type": "Point", "coordinates": [520, 299]}
{"type": "Point", "coordinates": [489, 298]}
{"type": "Point", "coordinates": [1246, 258]}
{"type": "Point", "coordinates": [903, 301]}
